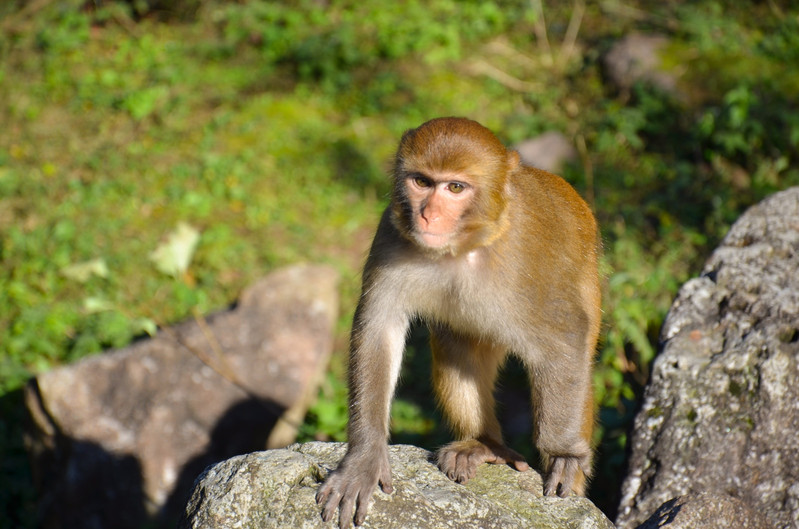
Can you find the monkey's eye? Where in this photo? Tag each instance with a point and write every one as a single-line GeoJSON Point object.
{"type": "Point", "coordinates": [421, 181]}
{"type": "Point", "coordinates": [456, 187]}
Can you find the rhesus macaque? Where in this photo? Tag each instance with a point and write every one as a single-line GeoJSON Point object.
{"type": "Point", "coordinates": [497, 258]}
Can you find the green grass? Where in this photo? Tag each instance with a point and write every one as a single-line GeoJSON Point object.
{"type": "Point", "coordinates": [269, 128]}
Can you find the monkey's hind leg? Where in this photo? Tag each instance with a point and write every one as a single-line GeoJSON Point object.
{"type": "Point", "coordinates": [464, 372]}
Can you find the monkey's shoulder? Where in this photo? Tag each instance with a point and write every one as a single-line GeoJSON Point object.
{"type": "Point", "coordinates": [548, 204]}
{"type": "Point", "coordinates": [544, 187]}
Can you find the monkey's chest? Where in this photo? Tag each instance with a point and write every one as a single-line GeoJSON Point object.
{"type": "Point", "coordinates": [465, 304]}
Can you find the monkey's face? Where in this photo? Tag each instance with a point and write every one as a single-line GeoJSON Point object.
{"type": "Point", "coordinates": [450, 176]}
{"type": "Point", "coordinates": [437, 204]}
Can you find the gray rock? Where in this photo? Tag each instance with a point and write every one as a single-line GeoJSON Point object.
{"type": "Point", "coordinates": [705, 510]}
{"type": "Point", "coordinates": [276, 489]}
{"type": "Point", "coordinates": [117, 440]}
{"type": "Point", "coordinates": [636, 58]}
{"type": "Point", "coordinates": [720, 414]}
{"type": "Point", "coordinates": [549, 151]}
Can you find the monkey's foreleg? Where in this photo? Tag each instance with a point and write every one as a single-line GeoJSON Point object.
{"type": "Point", "coordinates": [375, 357]}
{"type": "Point", "coordinates": [563, 416]}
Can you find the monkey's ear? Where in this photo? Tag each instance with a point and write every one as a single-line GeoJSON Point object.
{"type": "Point", "coordinates": [514, 160]}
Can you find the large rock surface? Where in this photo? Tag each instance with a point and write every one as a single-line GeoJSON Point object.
{"type": "Point", "coordinates": [276, 489]}
{"type": "Point", "coordinates": [706, 510]}
{"type": "Point", "coordinates": [721, 413]}
{"type": "Point", "coordinates": [118, 439]}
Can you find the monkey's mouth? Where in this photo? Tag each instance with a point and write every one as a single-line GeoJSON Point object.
{"type": "Point", "coordinates": [432, 239]}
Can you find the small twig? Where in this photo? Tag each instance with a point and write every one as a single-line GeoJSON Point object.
{"type": "Point", "coordinates": [504, 78]}
{"type": "Point", "coordinates": [124, 21]}
{"type": "Point", "coordinates": [540, 29]}
{"type": "Point", "coordinates": [502, 47]}
{"type": "Point", "coordinates": [618, 10]}
{"type": "Point", "coordinates": [13, 21]}
{"type": "Point", "coordinates": [206, 359]}
{"type": "Point", "coordinates": [570, 39]}
{"type": "Point", "coordinates": [776, 9]}
{"type": "Point", "coordinates": [219, 355]}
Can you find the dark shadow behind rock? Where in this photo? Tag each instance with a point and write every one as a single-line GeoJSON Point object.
{"type": "Point", "coordinates": [720, 414]}
{"type": "Point", "coordinates": [104, 491]}
{"type": "Point", "coordinates": [117, 440]}
{"type": "Point", "coordinates": [276, 489]}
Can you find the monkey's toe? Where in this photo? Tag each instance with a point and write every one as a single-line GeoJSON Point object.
{"type": "Point", "coordinates": [564, 477]}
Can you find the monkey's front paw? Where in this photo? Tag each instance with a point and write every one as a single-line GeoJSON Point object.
{"type": "Point", "coordinates": [351, 486]}
{"type": "Point", "coordinates": [566, 474]}
{"type": "Point", "coordinates": [459, 460]}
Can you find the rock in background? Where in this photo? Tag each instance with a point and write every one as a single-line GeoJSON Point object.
{"type": "Point", "coordinates": [276, 489]}
{"type": "Point", "coordinates": [118, 439]}
{"type": "Point", "coordinates": [636, 58]}
{"type": "Point", "coordinates": [721, 413]}
{"type": "Point", "coordinates": [549, 151]}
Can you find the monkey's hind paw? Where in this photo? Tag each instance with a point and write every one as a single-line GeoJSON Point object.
{"type": "Point", "coordinates": [459, 460]}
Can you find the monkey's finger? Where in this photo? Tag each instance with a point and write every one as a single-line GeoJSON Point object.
{"type": "Point", "coordinates": [362, 509]}
{"type": "Point", "coordinates": [521, 465]}
{"type": "Point", "coordinates": [466, 466]}
{"type": "Point", "coordinates": [386, 485]}
{"type": "Point", "coordinates": [330, 505]}
{"type": "Point", "coordinates": [322, 494]}
{"type": "Point", "coordinates": [506, 456]}
{"type": "Point", "coordinates": [329, 497]}
{"type": "Point", "coordinates": [516, 460]}
{"type": "Point", "coordinates": [346, 508]}
{"type": "Point", "coordinates": [446, 463]}
{"type": "Point", "coordinates": [518, 463]}
{"type": "Point", "coordinates": [567, 479]}
{"type": "Point", "coordinates": [555, 473]}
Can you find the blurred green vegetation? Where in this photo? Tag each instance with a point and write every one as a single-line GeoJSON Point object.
{"type": "Point", "coordinates": [269, 126]}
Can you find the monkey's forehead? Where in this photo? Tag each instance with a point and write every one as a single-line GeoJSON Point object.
{"type": "Point", "coordinates": [439, 166]}
{"type": "Point", "coordinates": [441, 161]}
